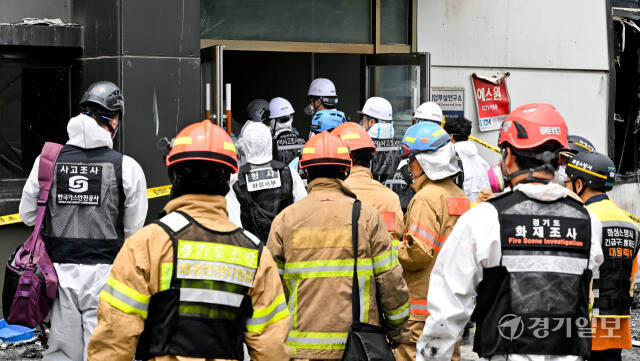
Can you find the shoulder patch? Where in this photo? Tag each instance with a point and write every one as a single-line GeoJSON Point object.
{"type": "Point", "coordinates": [458, 205]}
{"type": "Point", "coordinates": [253, 238]}
{"type": "Point", "coordinates": [175, 221]}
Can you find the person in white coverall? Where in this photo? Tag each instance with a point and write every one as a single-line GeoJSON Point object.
{"type": "Point", "coordinates": [259, 190]}
{"type": "Point", "coordinates": [520, 264]}
{"type": "Point", "coordinates": [82, 238]}
{"type": "Point", "coordinates": [475, 168]}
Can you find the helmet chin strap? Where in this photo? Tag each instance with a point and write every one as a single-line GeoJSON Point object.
{"type": "Point", "coordinates": [546, 167]}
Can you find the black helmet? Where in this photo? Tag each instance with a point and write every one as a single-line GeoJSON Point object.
{"type": "Point", "coordinates": [577, 144]}
{"type": "Point", "coordinates": [596, 169]}
{"type": "Point", "coordinates": [258, 110]}
{"type": "Point", "coordinates": [105, 94]}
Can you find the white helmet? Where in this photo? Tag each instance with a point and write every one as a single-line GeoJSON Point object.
{"type": "Point", "coordinates": [429, 111]}
{"type": "Point", "coordinates": [322, 87]}
{"type": "Point", "coordinates": [379, 108]}
{"type": "Point", "coordinates": [279, 107]}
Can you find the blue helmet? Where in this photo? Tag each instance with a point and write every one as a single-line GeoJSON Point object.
{"type": "Point", "coordinates": [327, 119]}
{"type": "Point", "coordinates": [423, 137]}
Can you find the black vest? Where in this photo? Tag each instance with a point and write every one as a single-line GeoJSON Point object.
{"type": "Point", "coordinates": [260, 198]}
{"type": "Point", "coordinates": [287, 146]}
{"type": "Point", "coordinates": [537, 300]}
{"type": "Point", "coordinates": [386, 159]}
{"type": "Point", "coordinates": [400, 184]}
{"type": "Point", "coordinates": [204, 312]}
{"type": "Point", "coordinates": [85, 210]}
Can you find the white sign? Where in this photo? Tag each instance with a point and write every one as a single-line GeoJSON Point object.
{"type": "Point", "coordinates": [450, 100]}
{"type": "Point", "coordinates": [261, 179]}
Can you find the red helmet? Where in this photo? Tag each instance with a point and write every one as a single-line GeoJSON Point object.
{"type": "Point", "coordinates": [354, 135]}
{"type": "Point", "coordinates": [203, 141]}
{"type": "Point", "coordinates": [531, 125]}
{"type": "Point", "coordinates": [325, 149]}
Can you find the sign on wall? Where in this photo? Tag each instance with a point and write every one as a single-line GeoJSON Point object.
{"type": "Point", "coordinates": [492, 100]}
{"type": "Point", "coordinates": [450, 100]}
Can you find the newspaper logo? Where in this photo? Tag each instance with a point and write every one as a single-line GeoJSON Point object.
{"type": "Point", "coordinates": [510, 327]}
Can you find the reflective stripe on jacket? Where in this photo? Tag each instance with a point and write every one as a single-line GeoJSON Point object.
{"type": "Point", "coordinates": [144, 266]}
{"type": "Point", "coordinates": [431, 215]}
{"type": "Point", "coordinates": [312, 246]}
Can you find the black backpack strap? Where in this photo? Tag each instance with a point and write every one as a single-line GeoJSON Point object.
{"type": "Point", "coordinates": [355, 291]}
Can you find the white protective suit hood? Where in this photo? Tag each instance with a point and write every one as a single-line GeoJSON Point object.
{"type": "Point", "coordinates": [84, 132]}
{"type": "Point", "coordinates": [466, 148]}
{"type": "Point", "coordinates": [548, 192]}
{"type": "Point", "coordinates": [256, 143]}
{"type": "Point", "coordinates": [381, 130]}
{"type": "Point", "coordinates": [440, 163]}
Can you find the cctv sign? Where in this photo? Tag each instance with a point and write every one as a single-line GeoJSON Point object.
{"type": "Point", "coordinates": [492, 100]}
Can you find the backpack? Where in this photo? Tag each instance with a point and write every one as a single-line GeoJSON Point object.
{"type": "Point", "coordinates": [30, 280]}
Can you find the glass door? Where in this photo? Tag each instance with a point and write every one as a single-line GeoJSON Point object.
{"type": "Point", "coordinates": [402, 79]}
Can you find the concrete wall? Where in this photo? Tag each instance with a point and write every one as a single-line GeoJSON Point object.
{"type": "Point", "coordinates": [14, 10]}
{"type": "Point", "coordinates": [552, 56]}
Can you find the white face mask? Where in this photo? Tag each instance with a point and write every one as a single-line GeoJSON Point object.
{"type": "Point", "coordinates": [561, 175]}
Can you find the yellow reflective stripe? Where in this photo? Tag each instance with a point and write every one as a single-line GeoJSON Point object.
{"type": "Point", "coordinates": [261, 318]}
{"type": "Point", "coordinates": [322, 263]}
{"type": "Point", "coordinates": [121, 305]}
{"type": "Point", "coordinates": [410, 139]}
{"type": "Point", "coordinates": [343, 150]}
{"type": "Point", "coordinates": [350, 136]}
{"type": "Point", "coordinates": [182, 141]}
{"type": "Point", "coordinates": [166, 270]}
{"type": "Point", "coordinates": [280, 267]}
{"type": "Point", "coordinates": [437, 132]}
{"type": "Point", "coordinates": [384, 261]}
{"type": "Point", "coordinates": [217, 252]}
{"type": "Point", "coordinates": [317, 340]}
{"type": "Point", "coordinates": [366, 295]}
{"type": "Point", "coordinates": [308, 150]}
{"type": "Point", "coordinates": [587, 171]}
{"type": "Point", "coordinates": [327, 268]}
{"type": "Point", "coordinates": [399, 315]}
{"type": "Point", "coordinates": [230, 146]}
{"type": "Point", "coordinates": [611, 316]}
{"type": "Point", "coordinates": [130, 292]}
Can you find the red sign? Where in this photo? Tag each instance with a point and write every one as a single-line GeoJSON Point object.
{"type": "Point", "coordinates": [492, 100]}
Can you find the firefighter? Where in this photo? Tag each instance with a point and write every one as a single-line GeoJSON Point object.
{"type": "Point", "coordinates": [361, 181]}
{"type": "Point", "coordinates": [264, 186]}
{"type": "Point", "coordinates": [431, 215]}
{"type": "Point", "coordinates": [590, 175]}
{"type": "Point", "coordinates": [312, 246]}
{"type": "Point", "coordinates": [519, 265]}
{"type": "Point", "coordinates": [192, 284]}
{"type": "Point", "coordinates": [98, 198]}
{"type": "Point", "coordinates": [401, 181]}
{"type": "Point", "coordinates": [376, 117]}
{"type": "Point", "coordinates": [287, 143]}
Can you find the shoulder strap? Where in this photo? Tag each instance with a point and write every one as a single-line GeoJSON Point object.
{"type": "Point", "coordinates": [174, 223]}
{"type": "Point", "coordinates": [355, 291]}
{"type": "Point", "coordinates": [48, 157]}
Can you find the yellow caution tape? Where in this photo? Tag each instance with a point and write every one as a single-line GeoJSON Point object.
{"type": "Point", "coordinates": [158, 191]}
{"type": "Point", "coordinates": [151, 193]}
{"type": "Point", "coordinates": [485, 144]}
{"type": "Point", "coordinates": [10, 219]}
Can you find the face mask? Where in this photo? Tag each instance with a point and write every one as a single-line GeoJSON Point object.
{"type": "Point", "coordinates": [496, 179]}
{"type": "Point", "coordinates": [309, 109]}
{"type": "Point", "coordinates": [561, 175]}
